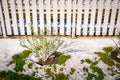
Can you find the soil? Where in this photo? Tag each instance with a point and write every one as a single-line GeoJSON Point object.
{"type": "Point", "coordinates": [114, 55]}
{"type": "Point", "coordinates": [51, 60]}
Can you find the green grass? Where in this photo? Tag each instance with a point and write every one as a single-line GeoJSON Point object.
{"type": "Point", "coordinates": [19, 60]}
{"type": "Point", "coordinates": [9, 75]}
{"type": "Point", "coordinates": [105, 58]}
{"type": "Point", "coordinates": [62, 59]}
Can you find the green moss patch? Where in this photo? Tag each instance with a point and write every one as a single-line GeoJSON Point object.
{"type": "Point", "coordinates": [108, 49]}
{"type": "Point", "coordinates": [107, 60]}
{"type": "Point", "coordinates": [61, 76]}
{"type": "Point", "coordinates": [9, 75]}
{"type": "Point", "coordinates": [19, 60]}
{"type": "Point", "coordinates": [62, 59]}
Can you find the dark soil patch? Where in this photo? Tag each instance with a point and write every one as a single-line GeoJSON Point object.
{"type": "Point", "coordinates": [114, 55]}
{"type": "Point", "coordinates": [51, 60]}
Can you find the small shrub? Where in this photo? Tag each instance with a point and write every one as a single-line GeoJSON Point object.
{"type": "Point", "coordinates": [63, 58]}
{"type": "Point", "coordinates": [41, 45]}
{"type": "Point", "coordinates": [61, 76]}
{"type": "Point", "coordinates": [107, 60]}
{"type": "Point", "coordinates": [30, 65]}
{"type": "Point", "coordinates": [88, 61]}
{"type": "Point", "coordinates": [72, 70]}
{"type": "Point", "coordinates": [9, 75]}
{"type": "Point", "coordinates": [108, 49]}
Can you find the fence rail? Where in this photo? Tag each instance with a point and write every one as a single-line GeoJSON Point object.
{"type": "Point", "coordinates": [59, 17]}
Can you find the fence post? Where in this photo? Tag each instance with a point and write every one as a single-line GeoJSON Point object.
{"type": "Point", "coordinates": [2, 20]}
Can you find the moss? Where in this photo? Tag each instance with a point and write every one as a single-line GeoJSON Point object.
{"type": "Point", "coordinates": [118, 65]}
{"type": "Point", "coordinates": [49, 72]}
{"type": "Point", "coordinates": [107, 49]}
{"type": "Point", "coordinates": [55, 68]}
{"type": "Point", "coordinates": [91, 76]}
{"type": "Point", "coordinates": [88, 61]}
{"type": "Point", "coordinates": [72, 70]}
{"type": "Point", "coordinates": [61, 76]}
{"type": "Point", "coordinates": [82, 61]}
{"type": "Point", "coordinates": [107, 60]}
{"type": "Point", "coordinates": [9, 75]}
{"type": "Point", "coordinates": [61, 69]}
{"type": "Point", "coordinates": [100, 73]}
{"type": "Point", "coordinates": [85, 69]}
{"type": "Point", "coordinates": [63, 58]}
{"type": "Point", "coordinates": [94, 64]}
{"type": "Point", "coordinates": [19, 60]}
{"type": "Point", "coordinates": [30, 65]}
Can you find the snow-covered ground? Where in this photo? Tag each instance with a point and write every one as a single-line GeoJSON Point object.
{"type": "Point", "coordinates": [78, 48]}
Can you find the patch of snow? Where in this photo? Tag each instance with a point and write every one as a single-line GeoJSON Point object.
{"type": "Point", "coordinates": [78, 49]}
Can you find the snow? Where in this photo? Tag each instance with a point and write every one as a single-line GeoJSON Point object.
{"type": "Point", "coordinates": [79, 49]}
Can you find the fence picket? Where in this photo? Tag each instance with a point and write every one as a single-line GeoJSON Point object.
{"type": "Point", "coordinates": [79, 18]}
{"type": "Point", "coordinates": [34, 16]}
{"type": "Point", "coordinates": [55, 29]}
{"type": "Point", "coordinates": [61, 17]}
{"type": "Point", "coordinates": [27, 14]}
{"type": "Point", "coordinates": [92, 20]}
{"type": "Point", "coordinates": [106, 17]}
{"type": "Point", "coordinates": [85, 25]}
{"type": "Point", "coordinates": [2, 27]}
{"type": "Point", "coordinates": [20, 15]}
{"type": "Point", "coordinates": [68, 20]}
{"type": "Point", "coordinates": [113, 15]}
{"type": "Point", "coordinates": [99, 17]}
{"type": "Point", "coordinates": [42, 28]}
{"type": "Point", "coordinates": [14, 17]}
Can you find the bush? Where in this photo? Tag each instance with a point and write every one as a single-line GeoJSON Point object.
{"type": "Point", "coordinates": [9, 75]}
{"type": "Point", "coordinates": [106, 59]}
{"type": "Point", "coordinates": [41, 45]}
{"type": "Point", "coordinates": [63, 58]}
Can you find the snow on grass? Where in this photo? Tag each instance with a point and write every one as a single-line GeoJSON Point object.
{"type": "Point", "coordinates": [78, 49]}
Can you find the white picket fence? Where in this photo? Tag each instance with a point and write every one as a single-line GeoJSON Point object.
{"type": "Point", "coordinates": [59, 17]}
